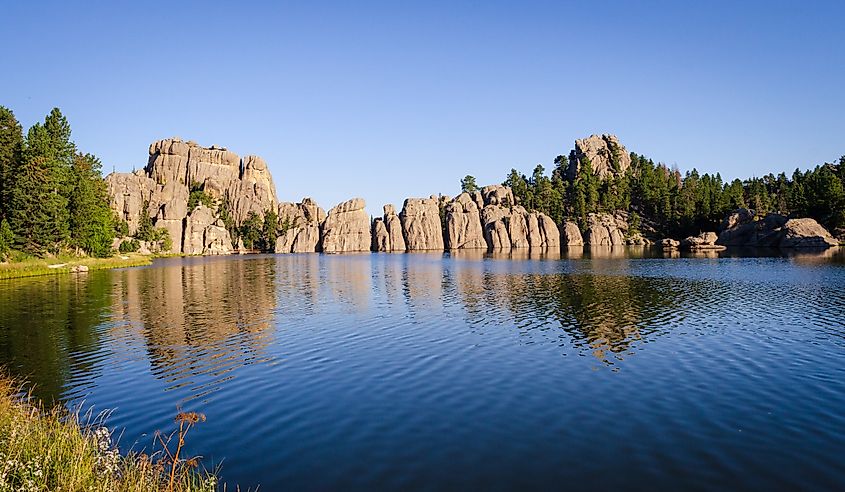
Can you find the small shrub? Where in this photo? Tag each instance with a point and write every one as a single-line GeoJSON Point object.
{"type": "Point", "coordinates": [199, 196]}
{"type": "Point", "coordinates": [129, 246]}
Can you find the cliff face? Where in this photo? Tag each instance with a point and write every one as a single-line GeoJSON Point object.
{"type": "Point", "coordinates": [174, 168]}
{"type": "Point", "coordinates": [606, 155]}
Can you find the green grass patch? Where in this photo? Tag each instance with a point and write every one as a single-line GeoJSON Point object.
{"type": "Point", "coordinates": [31, 267]}
{"type": "Point", "coordinates": [56, 450]}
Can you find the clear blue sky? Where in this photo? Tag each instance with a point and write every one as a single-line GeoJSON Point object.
{"type": "Point", "coordinates": [396, 99]}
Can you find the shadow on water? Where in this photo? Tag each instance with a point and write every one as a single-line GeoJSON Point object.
{"type": "Point", "coordinates": [49, 327]}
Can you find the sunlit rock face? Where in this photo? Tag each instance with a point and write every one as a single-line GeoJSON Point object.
{"type": "Point", "coordinates": [605, 230]}
{"type": "Point", "coordinates": [300, 227]}
{"type": "Point", "coordinates": [393, 226]}
{"type": "Point", "coordinates": [463, 224]}
{"type": "Point", "coordinates": [421, 225]}
{"type": "Point", "coordinates": [606, 156]}
{"type": "Point", "coordinates": [347, 228]}
{"type": "Point", "coordinates": [174, 169]}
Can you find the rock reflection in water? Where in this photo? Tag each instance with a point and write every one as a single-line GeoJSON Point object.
{"type": "Point", "coordinates": [197, 318]}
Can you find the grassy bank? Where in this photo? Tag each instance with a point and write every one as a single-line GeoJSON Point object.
{"type": "Point", "coordinates": [53, 450]}
{"type": "Point", "coordinates": [32, 267]}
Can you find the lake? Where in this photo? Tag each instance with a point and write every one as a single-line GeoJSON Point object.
{"type": "Point", "coordinates": [577, 370]}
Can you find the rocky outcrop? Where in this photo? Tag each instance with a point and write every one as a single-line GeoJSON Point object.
{"type": "Point", "coordinates": [346, 228]}
{"type": "Point", "coordinates": [670, 243]}
{"type": "Point", "coordinates": [705, 240]}
{"type": "Point", "coordinates": [463, 224]}
{"type": "Point", "coordinates": [497, 195]}
{"type": "Point", "coordinates": [381, 238]}
{"type": "Point", "coordinates": [393, 225]}
{"type": "Point", "coordinates": [571, 234]}
{"type": "Point", "coordinates": [300, 223]}
{"type": "Point", "coordinates": [514, 227]}
{"type": "Point", "coordinates": [806, 233]}
{"type": "Point", "coordinates": [605, 230]}
{"type": "Point", "coordinates": [128, 192]}
{"type": "Point", "coordinates": [606, 155]}
{"type": "Point", "coordinates": [741, 229]}
{"type": "Point", "coordinates": [421, 226]}
{"type": "Point", "coordinates": [542, 231]}
{"type": "Point", "coordinates": [174, 169]}
{"type": "Point", "coordinates": [205, 234]}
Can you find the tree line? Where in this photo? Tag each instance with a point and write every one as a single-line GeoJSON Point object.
{"type": "Point", "coordinates": [677, 204]}
{"type": "Point", "coordinates": [52, 196]}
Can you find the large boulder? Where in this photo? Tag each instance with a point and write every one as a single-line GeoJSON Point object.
{"type": "Point", "coordinates": [301, 224]}
{"type": "Point", "coordinates": [421, 226]}
{"type": "Point", "coordinates": [604, 230]}
{"type": "Point", "coordinates": [517, 228]}
{"type": "Point", "coordinates": [542, 232]}
{"type": "Point", "coordinates": [463, 224]}
{"type": "Point", "coordinates": [549, 232]}
{"type": "Point", "coordinates": [381, 238]}
{"type": "Point", "coordinates": [606, 155]}
{"type": "Point", "coordinates": [498, 195]}
{"type": "Point", "coordinates": [806, 233]}
{"type": "Point", "coordinates": [705, 240]}
{"type": "Point", "coordinates": [572, 234]}
{"type": "Point", "coordinates": [346, 228]}
{"type": "Point", "coordinates": [284, 241]}
{"type": "Point", "coordinates": [307, 240]}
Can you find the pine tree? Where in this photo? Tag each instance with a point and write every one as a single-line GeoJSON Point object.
{"type": "Point", "coordinates": [38, 199]}
{"type": "Point", "coordinates": [91, 219]}
{"type": "Point", "coordinates": [468, 184]}
{"type": "Point", "coordinates": [11, 147]}
{"type": "Point", "coordinates": [269, 230]}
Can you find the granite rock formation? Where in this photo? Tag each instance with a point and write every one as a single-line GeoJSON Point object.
{"type": "Point", "coordinates": [605, 230]}
{"type": "Point", "coordinates": [301, 225]}
{"type": "Point", "coordinates": [571, 234]}
{"type": "Point", "coordinates": [394, 229]}
{"type": "Point", "coordinates": [606, 155]}
{"type": "Point", "coordinates": [463, 224]}
{"type": "Point", "coordinates": [705, 240]}
{"type": "Point", "coordinates": [421, 225]}
{"type": "Point", "coordinates": [205, 234]}
{"type": "Point", "coordinates": [174, 169]}
{"type": "Point", "coordinates": [346, 228]}
{"type": "Point", "coordinates": [741, 229]}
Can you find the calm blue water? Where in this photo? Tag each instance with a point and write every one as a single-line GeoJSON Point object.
{"type": "Point", "coordinates": [581, 371]}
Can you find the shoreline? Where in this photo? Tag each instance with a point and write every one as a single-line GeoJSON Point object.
{"type": "Point", "coordinates": [44, 267]}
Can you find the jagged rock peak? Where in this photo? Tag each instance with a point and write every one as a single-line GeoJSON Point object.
{"type": "Point", "coordinates": [174, 169]}
{"type": "Point", "coordinates": [606, 155]}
